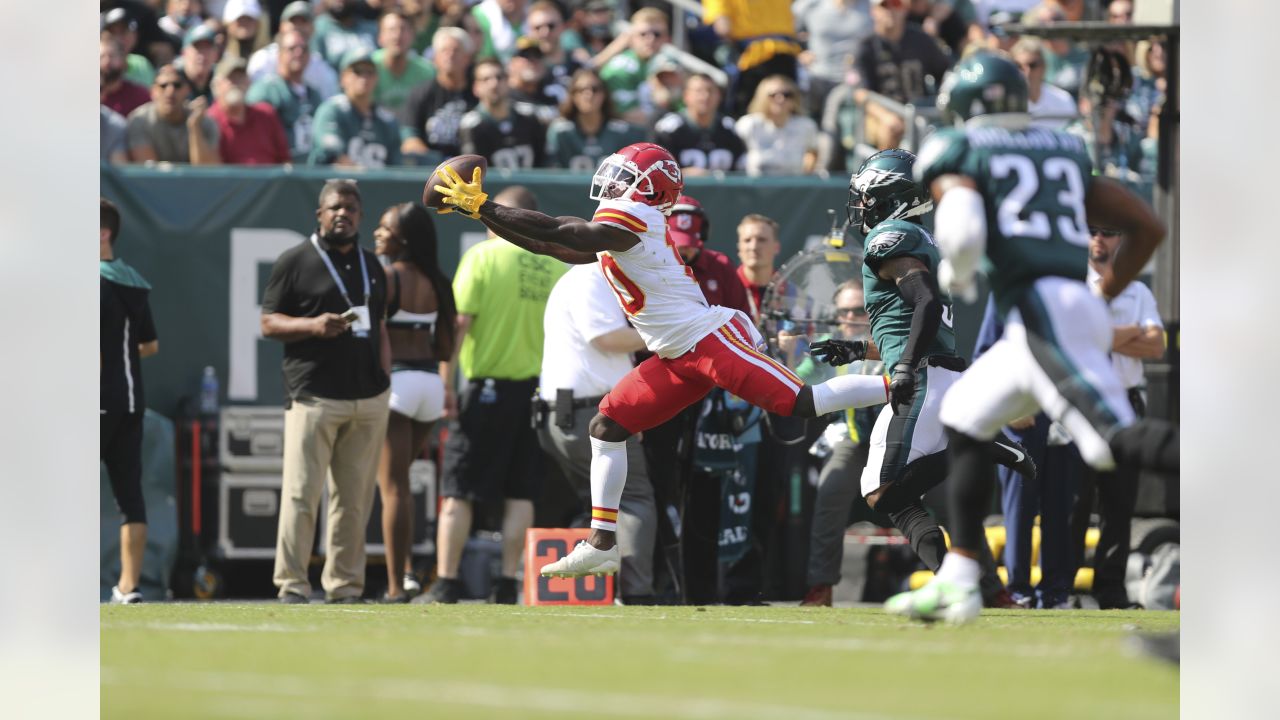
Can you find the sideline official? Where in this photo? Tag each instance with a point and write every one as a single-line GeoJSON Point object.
{"type": "Point", "coordinates": [326, 301]}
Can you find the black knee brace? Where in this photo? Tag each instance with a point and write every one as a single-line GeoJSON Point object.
{"type": "Point", "coordinates": [923, 533]}
{"type": "Point", "coordinates": [1149, 443]}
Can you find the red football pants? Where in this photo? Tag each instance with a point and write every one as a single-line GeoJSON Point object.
{"type": "Point", "coordinates": [659, 388]}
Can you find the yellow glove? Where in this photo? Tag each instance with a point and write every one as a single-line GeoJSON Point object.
{"type": "Point", "coordinates": [465, 196]}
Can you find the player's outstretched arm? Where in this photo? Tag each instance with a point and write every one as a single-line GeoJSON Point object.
{"type": "Point", "coordinates": [559, 252]}
{"type": "Point", "coordinates": [571, 233]}
{"type": "Point", "coordinates": [1110, 204]}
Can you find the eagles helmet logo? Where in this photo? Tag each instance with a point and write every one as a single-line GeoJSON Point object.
{"type": "Point", "coordinates": [876, 177]}
{"type": "Point", "coordinates": [884, 242]}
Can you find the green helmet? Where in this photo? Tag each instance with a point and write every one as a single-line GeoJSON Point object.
{"type": "Point", "coordinates": [982, 84]}
{"type": "Point", "coordinates": [884, 188]}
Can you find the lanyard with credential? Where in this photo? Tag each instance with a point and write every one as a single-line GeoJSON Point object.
{"type": "Point", "coordinates": [342, 288]}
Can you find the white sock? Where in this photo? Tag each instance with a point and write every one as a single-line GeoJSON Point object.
{"type": "Point", "coordinates": [959, 569]}
{"type": "Point", "coordinates": [850, 391]}
{"type": "Point", "coordinates": [608, 475]}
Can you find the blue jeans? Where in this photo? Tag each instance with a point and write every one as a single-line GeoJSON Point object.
{"type": "Point", "coordinates": [1050, 495]}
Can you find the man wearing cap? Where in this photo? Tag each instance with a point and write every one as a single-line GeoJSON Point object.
{"type": "Point", "coordinates": [114, 91]}
{"type": "Point", "coordinates": [248, 134]}
{"type": "Point", "coordinates": [316, 72]}
{"type": "Point", "coordinates": [700, 136]}
{"type": "Point", "coordinates": [167, 129]}
{"type": "Point", "coordinates": [400, 70]}
{"type": "Point", "coordinates": [689, 229]}
{"type": "Point", "coordinates": [124, 29]}
{"type": "Point", "coordinates": [507, 136]}
{"type": "Point", "coordinates": [200, 54]}
{"type": "Point", "coordinates": [350, 129]}
{"type": "Point", "coordinates": [241, 19]}
{"type": "Point", "coordinates": [289, 93]}
{"type": "Point", "coordinates": [340, 30]}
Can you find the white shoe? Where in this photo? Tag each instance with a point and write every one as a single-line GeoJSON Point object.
{"type": "Point", "coordinates": [585, 560]}
{"type": "Point", "coordinates": [125, 598]}
{"type": "Point", "coordinates": [411, 585]}
{"type": "Point", "coordinates": [938, 600]}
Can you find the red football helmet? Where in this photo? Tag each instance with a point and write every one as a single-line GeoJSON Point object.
{"type": "Point", "coordinates": [689, 225]}
{"type": "Point", "coordinates": [642, 172]}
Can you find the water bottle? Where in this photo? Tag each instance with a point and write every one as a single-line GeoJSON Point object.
{"type": "Point", "coordinates": [209, 392]}
{"type": "Point", "coordinates": [489, 393]}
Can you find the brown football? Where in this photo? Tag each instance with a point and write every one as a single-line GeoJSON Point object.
{"type": "Point", "coordinates": [463, 164]}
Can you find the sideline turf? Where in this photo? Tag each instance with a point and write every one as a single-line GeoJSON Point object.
{"type": "Point", "coordinates": [483, 661]}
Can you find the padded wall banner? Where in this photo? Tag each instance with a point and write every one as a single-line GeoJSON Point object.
{"type": "Point", "coordinates": [205, 238]}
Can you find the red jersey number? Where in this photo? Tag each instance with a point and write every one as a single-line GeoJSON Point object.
{"type": "Point", "coordinates": [630, 296]}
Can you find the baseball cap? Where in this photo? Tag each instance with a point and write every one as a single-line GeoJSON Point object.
{"type": "Point", "coordinates": [665, 63]}
{"type": "Point", "coordinates": [687, 225]}
{"type": "Point", "coordinates": [353, 56]}
{"type": "Point", "coordinates": [230, 65]}
{"type": "Point", "coordinates": [297, 8]}
{"type": "Point", "coordinates": [199, 33]}
{"type": "Point", "coordinates": [597, 5]}
{"type": "Point", "coordinates": [239, 8]}
{"type": "Point", "coordinates": [528, 47]}
{"type": "Point", "coordinates": [111, 17]}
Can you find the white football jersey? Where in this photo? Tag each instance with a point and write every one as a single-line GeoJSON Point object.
{"type": "Point", "coordinates": [653, 285]}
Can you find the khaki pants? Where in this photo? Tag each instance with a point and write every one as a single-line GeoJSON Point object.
{"type": "Point", "coordinates": [340, 439]}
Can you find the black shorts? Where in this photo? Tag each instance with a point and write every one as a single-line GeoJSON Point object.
{"type": "Point", "coordinates": [120, 448]}
{"type": "Point", "coordinates": [492, 451]}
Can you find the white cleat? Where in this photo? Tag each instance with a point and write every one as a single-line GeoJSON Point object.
{"type": "Point", "coordinates": [585, 560]}
{"type": "Point", "coordinates": [133, 597]}
{"type": "Point", "coordinates": [938, 600]}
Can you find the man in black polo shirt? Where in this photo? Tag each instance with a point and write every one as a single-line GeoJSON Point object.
{"type": "Point", "coordinates": [326, 302]}
{"type": "Point", "coordinates": [126, 335]}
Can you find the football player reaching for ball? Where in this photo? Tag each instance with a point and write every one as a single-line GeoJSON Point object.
{"type": "Point", "coordinates": [696, 345]}
{"type": "Point", "coordinates": [1036, 185]}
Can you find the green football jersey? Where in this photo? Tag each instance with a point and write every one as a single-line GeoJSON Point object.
{"type": "Point", "coordinates": [890, 312]}
{"type": "Point", "coordinates": [568, 148]}
{"type": "Point", "coordinates": [1033, 182]}
{"type": "Point", "coordinates": [295, 105]}
{"type": "Point", "coordinates": [623, 75]}
{"type": "Point", "coordinates": [370, 141]}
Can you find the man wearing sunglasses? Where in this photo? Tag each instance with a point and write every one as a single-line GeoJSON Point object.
{"type": "Point", "coordinates": [1138, 334]}
{"type": "Point", "coordinates": [625, 72]}
{"type": "Point", "coordinates": [167, 129]}
{"type": "Point", "coordinates": [1050, 106]}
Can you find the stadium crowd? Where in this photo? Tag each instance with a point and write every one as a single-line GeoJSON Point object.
{"type": "Point", "coordinates": [766, 87]}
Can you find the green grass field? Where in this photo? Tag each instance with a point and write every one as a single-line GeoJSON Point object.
{"type": "Point", "coordinates": [483, 661]}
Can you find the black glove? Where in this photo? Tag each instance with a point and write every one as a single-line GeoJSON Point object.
{"type": "Point", "coordinates": [902, 385]}
{"type": "Point", "coordinates": [838, 352]}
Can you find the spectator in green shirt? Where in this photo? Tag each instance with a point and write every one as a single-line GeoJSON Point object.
{"type": "Point", "coordinates": [399, 69]}
{"type": "Point", "coordinates": [492, 452]}
{"type": "Point", "coordinates": [628, 70]}
{"type": "Point", "coordinates": [340, 30]}
{"type": "Point", "coordinates": [350, 129]}
{"type": "Point", "coordinates": [501, 22]}
{"type": "Point", "coordinates": [587, 130]}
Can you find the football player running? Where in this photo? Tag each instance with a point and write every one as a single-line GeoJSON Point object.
{"type": "Point", "coordinates": [696, 346]}
{"type": "Point", "coordinates": [1015, 198]}
{"type": "Point", "coordinates": [912, 332]}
